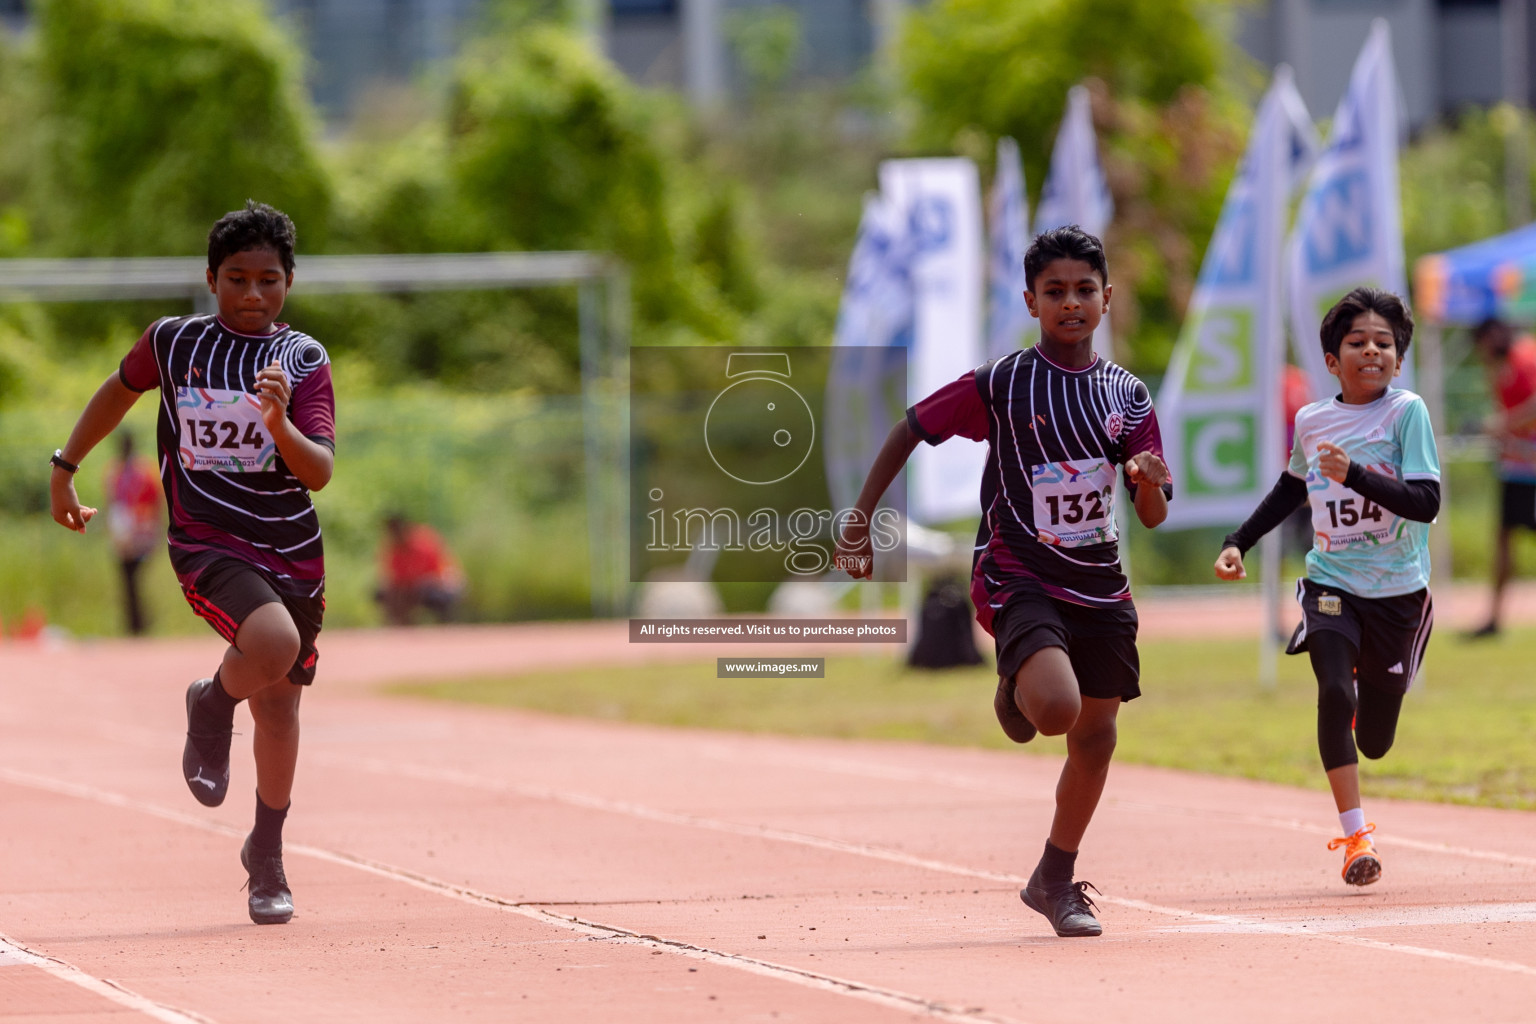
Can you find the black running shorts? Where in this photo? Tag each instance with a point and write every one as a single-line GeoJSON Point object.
{"type": "Point", "coordinates": [1517, 502]}
{"type": "Point", "coordinates": [1389, 632]}
{"type": "Point", "coordinates": [1100, 642]}
{"type": "Point", "coordinates": [226, 590]}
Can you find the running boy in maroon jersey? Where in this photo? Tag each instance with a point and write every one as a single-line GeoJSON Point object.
{"type": "Point", "coordinates": [1047, 582]}
{"type": "Point", "coordinates": [246, 431]}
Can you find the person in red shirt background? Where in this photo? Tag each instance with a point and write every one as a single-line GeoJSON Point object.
{"type": "Point", "coordinates": [134, 520]}
{"type": "Point", "coordinates": [1511, 364]}
{"type": "Point", "coordinates": [418, 572]}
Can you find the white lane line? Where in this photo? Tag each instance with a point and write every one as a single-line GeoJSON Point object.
{"type": "Point", "coordinates": [971, 784]}
{"type": "Point", "coordinates": [1394, 917]}
{"type": "Point", "coordinates": [588, 802]}
{"type": "Point", "coordinates": [13, 953]}
{"type": "Point", "coordinates": [891, 998]}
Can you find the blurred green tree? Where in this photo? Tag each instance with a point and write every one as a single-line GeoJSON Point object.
{"type": "Point", "coordinates": [1168, 91]}
{"type": "Point", "coordinates": [160, 116]}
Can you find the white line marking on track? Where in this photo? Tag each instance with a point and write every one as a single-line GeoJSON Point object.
{"type": "Point", "coordinates": [13, 952]}
{"type": "Point", "coordinates": [896, 773]}
{"type": "Point", "coordinates": [585, 801]}
{"type": "Point", "coordinates": [1400, 917]}
{"type": "Point", "coordinates": [592, 929]}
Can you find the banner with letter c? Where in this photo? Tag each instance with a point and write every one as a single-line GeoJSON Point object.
{"type": "Point", "coordinates": [1219, 405]}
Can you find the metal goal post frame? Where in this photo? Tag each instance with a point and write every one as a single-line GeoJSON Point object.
{"type": "Point", "coordinates": [603, 323]}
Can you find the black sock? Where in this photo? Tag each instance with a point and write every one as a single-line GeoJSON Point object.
{"type": "Point", "coordinates": [1056, 864]}
{"type": "Point", "coordinates": [217, 704]}
{"type": "Point", "coordinates": [268, 833]}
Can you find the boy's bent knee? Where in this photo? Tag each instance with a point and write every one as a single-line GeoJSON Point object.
{"type": "Point", "coordinates": [1047, 692]}
{"type": "Point", "coordinates": [269, 640]}
{"type": "Point", "coordinates": [1054, 714]}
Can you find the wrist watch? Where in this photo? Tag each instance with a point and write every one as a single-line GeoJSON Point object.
{"type": "Point", "coordinates": [58, 460]}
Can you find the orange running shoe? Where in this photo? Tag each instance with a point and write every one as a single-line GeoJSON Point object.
{"type": "Point", "coordinates": [1361, 865]}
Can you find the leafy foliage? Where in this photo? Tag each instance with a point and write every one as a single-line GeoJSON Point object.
{"type": "Point", "coordinates": [164, 114]}
{"type": "Point", "coordinates": [1171, 126]}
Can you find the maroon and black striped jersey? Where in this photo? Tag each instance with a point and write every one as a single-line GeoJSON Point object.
{"type": "Point", "coordinates": [1055, 437]}
{"type": "Point", "coordinates": [227, 488]}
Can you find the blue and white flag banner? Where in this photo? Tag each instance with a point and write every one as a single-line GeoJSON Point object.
{"type": "Point", "coordinates": [1349, 229]}
{"type": "Point", "coordinates": [867, 386]}
{"type": "Point", "coordinates": [1076, 191]}
{"type": "Point", "coordinates": [1009, 324]}
{"type": "Point", "coordinates": [1220, 404]}
{"type": "Point", "coordinates": [940, 202]}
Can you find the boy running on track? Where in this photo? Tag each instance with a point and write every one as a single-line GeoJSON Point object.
{"type": "Point", "coordinates": [1365, 461]}
{"type": "Point", "coordinates": [1046, 578]}
{"type": "Point", "coordinates": [246, 431]}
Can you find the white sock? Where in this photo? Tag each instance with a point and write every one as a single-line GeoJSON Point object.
{"type": "Point", "coordinates": [1352, 820]}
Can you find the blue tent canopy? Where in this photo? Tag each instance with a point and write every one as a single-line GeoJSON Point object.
{"type": "Point", "coordinates": [1494, 277]}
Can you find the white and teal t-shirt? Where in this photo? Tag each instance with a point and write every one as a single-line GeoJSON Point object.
{"type": "Point", "coordinates": [1358, 546]}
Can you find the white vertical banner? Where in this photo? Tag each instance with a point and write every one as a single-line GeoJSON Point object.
{"type": "Point", "coordinates": [1076, 191]}
{"type": "Point", "coordinates": [940, 201]}
{"type": "Point", "coordinates": [1009, 323]}
{"type": "Point", "coordinates": [1349, 229]}
{"type": "Point", "coordinates": [1220, 403]}
{"type": "Point", "coordinates": [866, 388]}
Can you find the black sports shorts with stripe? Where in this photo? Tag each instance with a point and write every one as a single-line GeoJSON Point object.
{"type": "Point", "coordinates": [1517, 505]}
{"type": "Point", "coordinates": [226, 590]}
{"type": "Point", "coordinates": [1389, 632]}
{"type": "Point", "coordinates": [1100, 642]}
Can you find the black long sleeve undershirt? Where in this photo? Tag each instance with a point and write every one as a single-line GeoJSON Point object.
{"type": "Point", "coordinates": [1288, 495]}
{"type": "Point", "coordinates": [1418, 500]}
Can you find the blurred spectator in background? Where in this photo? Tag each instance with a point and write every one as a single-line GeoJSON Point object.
{"type": "Point", "coordinates": [418, 572]}
{"type": "Point", "coordinates": [134, 521]}
{"type": "Point", "coordinates": [1511, 364]}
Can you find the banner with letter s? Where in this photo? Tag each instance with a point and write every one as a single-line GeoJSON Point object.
{"type": "Point", "coordinates": [867, 380]}
{"type": "Point", "coordinates": [1349, 229]}
{"type": "Point", "coordinates": [1220, 403]}
{"type": "Point", "coordinates": [940, 202]}
{"type": "Point", "coordinates": [1009, 324]}
{"type": "Point", "coordinates": [1076, 191]}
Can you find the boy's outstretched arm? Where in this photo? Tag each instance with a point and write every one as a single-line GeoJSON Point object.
{"type": "Point", "coordinates": [1148, 473]}
{"type": "Point", "coordinates": [855, 555]}
{"type": "Point", "coordinates": [102, 414]}
{"type": "Point", "coordinates": [1288, 494]}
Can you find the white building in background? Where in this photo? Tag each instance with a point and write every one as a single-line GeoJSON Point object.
{"type": "Point", "coordinates": [1450, 53]}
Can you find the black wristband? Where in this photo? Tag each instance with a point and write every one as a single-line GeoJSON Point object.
{"type": "Point", "coordinates": [58, 460]}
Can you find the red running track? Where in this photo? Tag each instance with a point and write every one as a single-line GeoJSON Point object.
{"type": "Point", "coordinates": [455, 863]}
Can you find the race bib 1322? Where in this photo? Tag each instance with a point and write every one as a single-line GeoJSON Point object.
{"type": "Point", "coordinates": [1074, 502]}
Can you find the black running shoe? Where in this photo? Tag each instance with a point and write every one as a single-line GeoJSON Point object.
{"type": "Point", "coordinates": [270, 900]}
{"type": "Point", "coordinates": [205, 758]}
{"type": "Point", "coordinates": [1068, 906]}
{"type": "Point", "coordinates": [1015, 725]}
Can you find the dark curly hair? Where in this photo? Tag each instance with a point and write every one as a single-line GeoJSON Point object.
{"type": "Point", "coordinates": [1341, 317]}
{"type": "Point", "coordinates": [258, 226]}
{"type": "Point", "coordinates": [1068, 243]}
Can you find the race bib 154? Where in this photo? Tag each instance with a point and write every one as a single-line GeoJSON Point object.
{"type": "Point", "coordinates": [1074, 502]}
{"type": "Point", "coordinates": [1342, 518]}
{"type": "Point", "coordinates": [222, 430]}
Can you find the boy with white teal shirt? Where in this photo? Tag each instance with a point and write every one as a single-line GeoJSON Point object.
{"type": "Point", "coordinates": [1360, 546]}
{"type": "Point", "coordinates": [1365, 463]}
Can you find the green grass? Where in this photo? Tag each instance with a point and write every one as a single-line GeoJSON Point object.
{"type": "Point", "coordinates": [1464, 736]}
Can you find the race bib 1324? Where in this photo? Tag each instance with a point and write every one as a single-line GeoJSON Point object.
{"type": "Point", "coordinates": [223, 431]}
